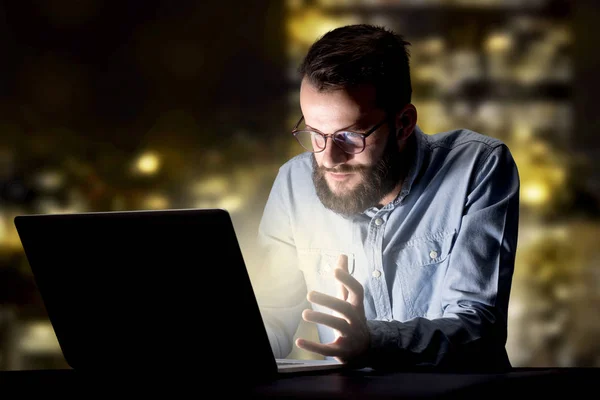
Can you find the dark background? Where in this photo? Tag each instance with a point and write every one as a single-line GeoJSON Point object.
{"type": "Point", "coordinates": [89, 87]}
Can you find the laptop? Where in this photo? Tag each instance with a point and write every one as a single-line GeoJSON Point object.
{"type": "Point", "coordinates": [161, 290]}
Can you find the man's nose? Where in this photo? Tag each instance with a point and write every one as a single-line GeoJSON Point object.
{"type": "Point", "coordinates": [333, 156]}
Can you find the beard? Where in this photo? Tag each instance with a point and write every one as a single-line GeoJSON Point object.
{"type": "Point", "coordinates": [376, 181]}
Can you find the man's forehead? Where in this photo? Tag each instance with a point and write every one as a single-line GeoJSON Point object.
{"type": "Point", "coordinates": [335, 109]}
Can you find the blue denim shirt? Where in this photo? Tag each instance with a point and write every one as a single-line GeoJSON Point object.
{"type": "Point", "coordinates": [436, 264]}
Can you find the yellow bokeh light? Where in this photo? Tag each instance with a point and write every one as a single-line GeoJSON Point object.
{"type": "Point", "coordinates": [498, 42]}
{"type": "Point", "coordinates": [231, 203]}
{"type": "Point", "coordinates": [433, 45]}
{"type": "Point", "coordinates": [539, 148]}
{"type": "Point", "coordinates": [557, 175]}
{"type": "Point", "coordinates": [535, 193]}
{"type": "Point", "coordinates": [3, 229]}
{"type": "Point", "coordinates": [50, 180]}
{"type": "Point", "coordinates": [204, 204]}
{"type": "Point", "coordinates": [148, 163]}
{"type": "Point", "coordinates": [304, 27]}
{"type": "Point", "coordinates": [212, 186]}
{"type": "Point", "coordinates": [522, 132]}
{"type": "Point", "coordinates": [156, 202]}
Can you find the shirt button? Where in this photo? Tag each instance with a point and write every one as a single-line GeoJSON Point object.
{"type": "Point", "coordinates": [378, 221]}
{"type": "Point", "coordinates": [433, 254]}
{"type": "Point", "coordinates": [376, 274]}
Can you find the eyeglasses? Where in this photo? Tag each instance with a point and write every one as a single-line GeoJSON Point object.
{"type": "Point", "coordinates": [348, 141]}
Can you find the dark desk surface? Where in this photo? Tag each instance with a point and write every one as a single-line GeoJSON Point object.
{"type": "Point", "coordinates": [362, 384]}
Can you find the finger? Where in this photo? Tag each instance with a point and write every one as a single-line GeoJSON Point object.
{"type": "Point", "coordinates": [319, 348]}
{"type": "Point", "coordinates": [337, 305]}
{"type": "Point", "coordinates": [342, 264]}
{"type": "Point", "coordinates": [353, 287]}
{"type": "Point", "coordinates": [339, 324]}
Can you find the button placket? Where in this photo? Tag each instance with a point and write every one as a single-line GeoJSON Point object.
{"type": "Point", "coordinates": [377, 280]}
{"type": "Point", "coordinates": [377, 273]}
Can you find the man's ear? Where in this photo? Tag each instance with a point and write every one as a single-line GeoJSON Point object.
{"type": "Point", "coordinates": [406, 120]}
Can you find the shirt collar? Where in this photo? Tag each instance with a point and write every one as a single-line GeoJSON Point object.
{"type": "Point", "coordinates": [421, 145]}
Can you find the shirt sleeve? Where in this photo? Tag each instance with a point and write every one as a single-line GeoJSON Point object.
{"type": "Point", "coordinates": [280, 287]}
{"type": "Point", "coordinates": [472, 331]}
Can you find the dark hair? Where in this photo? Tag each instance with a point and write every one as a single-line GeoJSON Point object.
{"type": "Point", "coordinates": [361, 54]}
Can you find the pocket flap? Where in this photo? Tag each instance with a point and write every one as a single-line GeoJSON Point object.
{"type": "Point", "coordinates": [426, 250]}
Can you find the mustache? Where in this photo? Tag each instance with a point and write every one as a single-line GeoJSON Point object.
{"type": "Point", "coordinates": [343, 169]}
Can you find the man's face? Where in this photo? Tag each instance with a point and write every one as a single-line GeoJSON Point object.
{"type": "Point", "coordinates": [350, 183]}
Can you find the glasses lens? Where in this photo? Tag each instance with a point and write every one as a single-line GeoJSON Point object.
{"type": "Point", "coordinates": [350, 142]}
{"type": "Point", "coordinates": [311, 141]}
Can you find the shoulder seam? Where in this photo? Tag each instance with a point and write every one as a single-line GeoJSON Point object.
{"type": "Point", "coordinates": [493, 143]}
{"type": "Point", "coordinates": [488, 155]}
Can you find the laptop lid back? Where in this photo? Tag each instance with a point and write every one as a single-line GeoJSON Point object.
{"type": "Point", "coordinates": [146, 289]}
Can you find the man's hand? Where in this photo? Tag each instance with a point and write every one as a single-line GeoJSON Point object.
{"type": "Point", "coordinates": [348, 318]}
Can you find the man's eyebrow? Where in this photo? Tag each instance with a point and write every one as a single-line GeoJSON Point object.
{"type": "Point", "coordinates": [354, 127]}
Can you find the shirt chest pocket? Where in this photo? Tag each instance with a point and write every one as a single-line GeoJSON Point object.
{"type": "Point", "coordinates": [420, 270]}
{"type": "Point", "coordinates": [318, 265]}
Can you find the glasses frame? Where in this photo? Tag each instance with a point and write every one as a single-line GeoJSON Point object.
{"type": "Point", "coordinates": [325, 136]}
